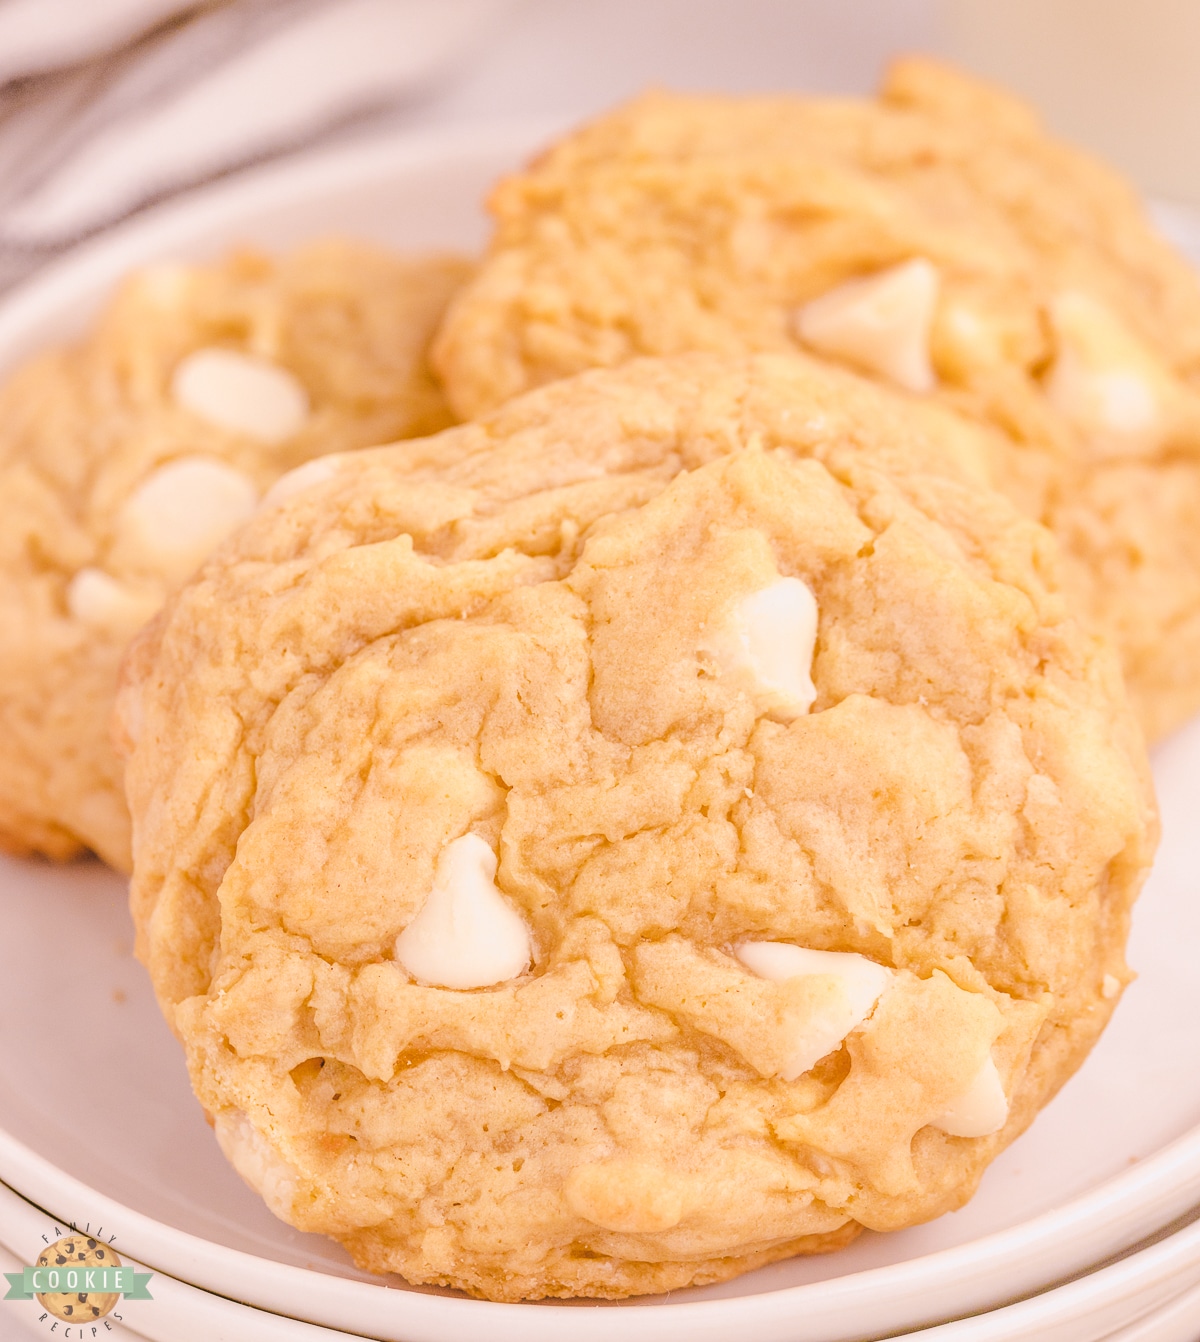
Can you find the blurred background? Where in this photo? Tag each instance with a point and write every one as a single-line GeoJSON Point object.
{"type": "Point", "coordinates": [107, 106]}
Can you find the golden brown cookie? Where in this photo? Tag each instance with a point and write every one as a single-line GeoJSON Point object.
{"type": "Point", "coordinates": [933, 237]}
{"type": "Point", "coordinates": [655, 830]}
{"type": "Point", "coordinates": [126, 457]}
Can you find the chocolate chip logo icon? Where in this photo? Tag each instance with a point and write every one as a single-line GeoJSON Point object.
{"type": "Point", "coordinates": [78, 1279]}
{"type": "Point", "coordinates": [72, 1257]}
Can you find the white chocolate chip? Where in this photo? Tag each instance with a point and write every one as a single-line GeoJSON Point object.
{"type": "Point", "coordinates": [1110, 986]}
{"type": "Point", "coordinates": [312, 473]}
{"type": "Point", "coordinates": [881, 323]}
{"type": "Point", "coordinates": [861, 982]}
{"type": "Point", "coordinates": [256, 1160]}
{"type": "Point", "coordinates": [766, 648]}
{"type": "Point", "coordinates": [466, 934]}
{"type": "Point", "coordinates": [1105, 381]}
{"type": "Point", "coordinates": [240, 393]}
{"type": "Point", "coordinates": [980, 1110]}
{"type": "Point", "coordinates": [181, 512]}
{"type": "Point", "coordinates": [626, 1195]}
{"type": "Point", "coordinates": [98, 599]}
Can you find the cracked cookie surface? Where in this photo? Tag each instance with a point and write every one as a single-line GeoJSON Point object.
{"type": "Point", "coordinates": [124, 457]}
{"type": "Point", "coordinates": [934, 237]}
{"type": "Point", "coordinates": [769, 949]}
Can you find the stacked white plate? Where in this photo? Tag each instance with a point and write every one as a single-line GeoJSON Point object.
{"type": "Point", "coordinates": [1088, 1228]}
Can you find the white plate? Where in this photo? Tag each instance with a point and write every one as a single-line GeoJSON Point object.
{"type": "Point", "coordinates": [1092, 1308]}
{"type": "Point", "coordinates": [176, 1312]}
{"type": "Point", "coordinates": [1151, 1291]}
{"type": "Point", "coordinates": [95, 1117]}
{"type": "Point", "coordinates": [1176, 1321]}
{"type": "Point", "coordinates": [1150, 1296]}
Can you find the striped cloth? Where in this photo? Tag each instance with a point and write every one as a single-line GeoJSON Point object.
{"type": "Point", "coordinates": [108, 105]}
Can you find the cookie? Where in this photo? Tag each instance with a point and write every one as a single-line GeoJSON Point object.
{"type": "Point", "coordinates": [78, 1251]}
{"type": "Point", "coordinates": [934, 238]}
{"type": "Point", "coordinates": [126, 457]}
{"type": "Point", "coordinates": [658, 829]}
